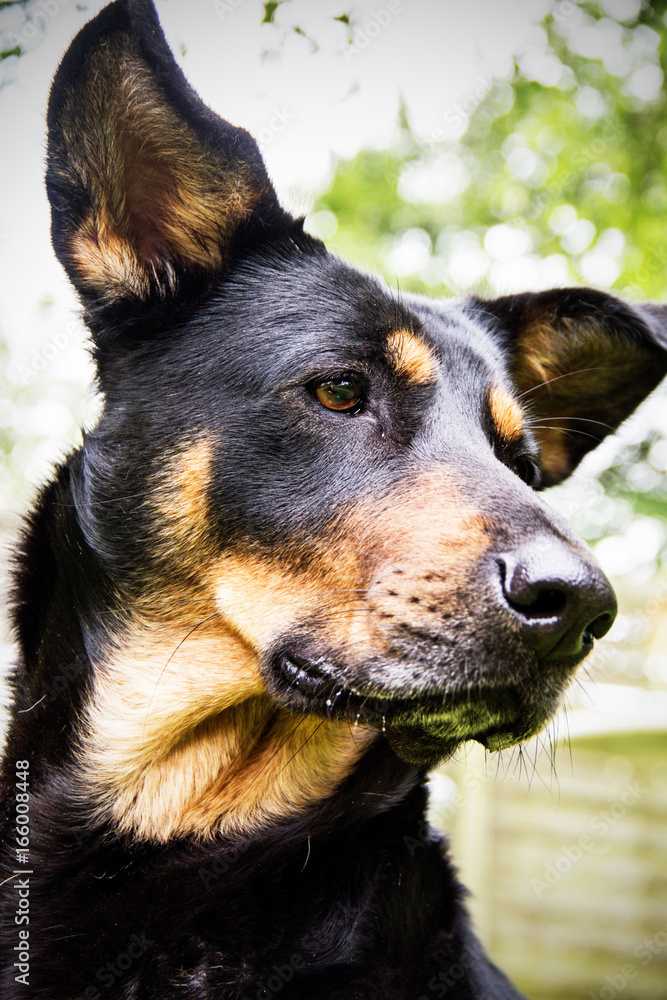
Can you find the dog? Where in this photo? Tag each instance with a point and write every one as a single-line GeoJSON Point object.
{"type": "Point", "coordinates": [301, 558]}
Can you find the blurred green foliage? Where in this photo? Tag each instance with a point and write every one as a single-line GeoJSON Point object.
{"type": "Point", "coordinates": [560, 165]}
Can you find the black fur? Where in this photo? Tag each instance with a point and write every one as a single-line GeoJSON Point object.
{"type": "Point", "coordinates": [350, 897]}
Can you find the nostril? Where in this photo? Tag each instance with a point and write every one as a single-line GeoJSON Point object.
{"type": "Point", "coordinates": [601, 625]}
{"type": "Point", "coordinates": [549, 603]}
{"type": "Point", "coordinates": [529, 598]}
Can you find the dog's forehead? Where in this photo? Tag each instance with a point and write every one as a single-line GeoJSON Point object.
{"type": "Point", "coordinates": [317, 310]}
{"type": "Point", "coordinates": [459, 337]}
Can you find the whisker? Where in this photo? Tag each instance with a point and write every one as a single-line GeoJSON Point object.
{"type": "Point", "coordinates": [566, 416]}
{"type": "Point", "coordinates": [314, 732]}
{"type": "Point", "coordinates": [204, 621]}
{"type": "Point", "coordinates": [540, 385]}
{"type": "Point", "coordinates": [569, 431]}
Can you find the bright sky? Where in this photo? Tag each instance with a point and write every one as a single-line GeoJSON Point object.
{"type": "Point", "coordinates": [437, 54]}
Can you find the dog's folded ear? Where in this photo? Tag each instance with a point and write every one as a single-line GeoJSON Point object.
{"type": "Point", "coordinates": [581, 361]}
{"type": "Point", "coordinates": [149, 188]}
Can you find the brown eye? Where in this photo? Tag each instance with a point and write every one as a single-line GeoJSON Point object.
{"type": "Point", "coordinates": [342, 393]}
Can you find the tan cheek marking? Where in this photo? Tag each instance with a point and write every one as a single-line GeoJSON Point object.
{"type": "Point", "coordinates": [176, 729]}
{"type": "Point", "coordinates": [262, 600]}
{"type": "Point", "coordinates": [411, 357]}
{"type": "Point", "coordinates": [181, 739]}
{"type": "Point", "coordinates": [159, 684]}
{"type": "Point", "coordinates": [507, 414]}
{"type": "Point", "coordinates": [179, 503]}
{"type": "Point", "coordinates": [432, 535]}
{"type": "Point", "coordinates": [180, 735]}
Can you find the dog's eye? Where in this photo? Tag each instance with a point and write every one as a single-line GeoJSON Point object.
{"type": "Point", "coordinates": [339, 392]}
{"type": "Point", "coordinates": [526, 469]}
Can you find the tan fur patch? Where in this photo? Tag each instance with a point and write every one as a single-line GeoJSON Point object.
{"type": "Point", "coordinates": [558, 362]}
{"type": "Point", "coordinates": [158, 195]}
{"type": "Point", "coordinates": [411, 357]}
{"type": "Point", "coordinates": [182, 740]}
{"type": "Point", "coordinates": [506, 414]}
{"type": "Point", "coordinates": [179, 505]}
{"type": "Point", "coordinates": [181, 737]}
{"type": "Point", "coordinates": [296, 762]}
{"type": "Point", "coordinates": [263, 600]}
{"type": "Point", "coordinates": [536, 362]}
{"type": "Point", "coordinates": [423, 540]}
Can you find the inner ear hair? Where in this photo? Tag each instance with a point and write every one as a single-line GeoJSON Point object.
{"type": "Point", "coordinates": [148, 187]}
{"type": "Point", "coordinates": [581, 361]}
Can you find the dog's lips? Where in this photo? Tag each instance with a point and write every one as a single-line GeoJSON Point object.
{"type": "Point", "coordinates": [423, 727]}
{"type": "Point", "coordinates": [305, 675]}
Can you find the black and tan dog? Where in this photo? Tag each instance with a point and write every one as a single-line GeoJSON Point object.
{"type": "Point", "coordinates": [299, 560]}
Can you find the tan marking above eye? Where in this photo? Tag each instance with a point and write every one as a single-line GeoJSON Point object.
{"type": "Point", "coordinates": [411, 357]}
{"type": "Point", "coordinates": [507, 414]}
{"type": "Point", "coordinates": [179, 505]}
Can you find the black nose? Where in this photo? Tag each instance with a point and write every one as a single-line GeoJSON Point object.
{"type": "Point", "coordinates": [562, 600]}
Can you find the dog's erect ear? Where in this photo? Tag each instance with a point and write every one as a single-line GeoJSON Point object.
{"type": "Point", "coordinates": [582, 361]}
{"type": "Point", "coordinates": [148, 187]}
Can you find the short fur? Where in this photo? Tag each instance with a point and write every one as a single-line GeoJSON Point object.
{"type": "Point", "coordinates": [250, 616]}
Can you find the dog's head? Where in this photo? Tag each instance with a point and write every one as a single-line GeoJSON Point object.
{"type": "Point", "coordinates": [333, 486]}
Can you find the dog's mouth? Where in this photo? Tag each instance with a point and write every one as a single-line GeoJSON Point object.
{"type": "Point", "coordinates": [424, 725]}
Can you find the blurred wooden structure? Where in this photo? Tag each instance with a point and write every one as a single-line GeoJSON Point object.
{"type": "Point", "coordinates": [567, 866]}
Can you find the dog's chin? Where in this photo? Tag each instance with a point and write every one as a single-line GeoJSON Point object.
{"type": "Point", "coordinates": [423, 726]}
{"type": "Point", "coordinates": [431, 744]}
{"type": "Point", "coordinates": [429, 740]}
